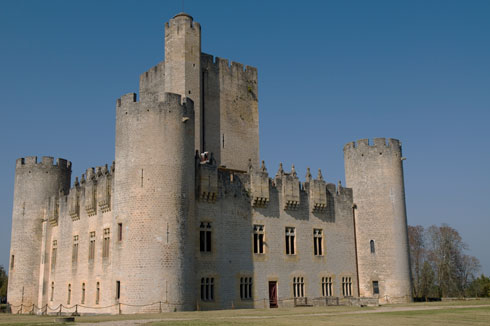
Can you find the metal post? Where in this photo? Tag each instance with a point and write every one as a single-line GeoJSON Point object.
{"type": "Point", "coordinates": [61, 306]}
{"type": "Point", "coordinates": [119, 307]}
{"type": "Point", "coordinates": [160, 307]}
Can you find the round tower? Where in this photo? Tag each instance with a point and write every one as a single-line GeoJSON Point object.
{"type": "Point", "coordinates": [154, 203]}
{"type": "Point", "coordinates": [35, 182]}
{"type": "Point", "coordinates": [375, 174]}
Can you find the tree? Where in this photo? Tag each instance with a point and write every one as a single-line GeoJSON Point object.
{"type": "Point", "coordinates": [480, 287]}
{"type": "Point", "coordinates": [417, 257]}
{"type": "Point", "coordinates": [440, 266]}
{"type": "Point", "coordinates": [3, 284]}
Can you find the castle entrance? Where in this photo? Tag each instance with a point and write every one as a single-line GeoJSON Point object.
{"type": "Point", "coordinates": [273, 294]}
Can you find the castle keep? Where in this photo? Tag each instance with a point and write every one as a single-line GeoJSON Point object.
{"type": "Point", "coordinates": [187, 217]}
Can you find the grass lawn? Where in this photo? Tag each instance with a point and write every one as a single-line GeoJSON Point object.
{"type": "Point", "coordinates": [417, 314]}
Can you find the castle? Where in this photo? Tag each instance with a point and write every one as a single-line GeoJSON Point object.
{"type": "Point", "coordinates": [187, 217]}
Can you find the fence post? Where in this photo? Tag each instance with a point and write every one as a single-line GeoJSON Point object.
{"type": "Point", "coordinates": [119, 308]}
{"type": "Point", "coordinates": [61, 306]}
{"type": "Point", "coordinates": [32, 311]}
{"type": "Point", "coordinates": [9, 310]}
{"type": "Point", "coordinates": [160, 310]}
{"type": "Point", "coordinates": [76, 311]}
{"type": "Point", "coordinates": [46, 309]}
{"type": "Point", "coordinates": [21, 306]}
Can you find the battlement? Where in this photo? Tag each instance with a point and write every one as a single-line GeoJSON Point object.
{"type": "Point", "coordinates": [46, 162]}
{"type": "Point", "coordinates": [182, 19]}
{"type": "Point", "coordinates": [378, 144]}
{"type": "Point", "coordinates": [210, 62]}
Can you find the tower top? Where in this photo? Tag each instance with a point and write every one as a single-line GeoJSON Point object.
{"type": "Point", "coordinates": [183, 14]}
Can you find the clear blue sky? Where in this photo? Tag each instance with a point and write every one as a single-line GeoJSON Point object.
{"type": "Point", "coordinates": [329, 72]}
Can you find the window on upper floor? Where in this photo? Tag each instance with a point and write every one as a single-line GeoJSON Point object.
{"type": "Point", "coordinates": [371, 245]}
{"type": "Point", "coordinates": [290, 241]}
{"type": "Point", "coordinates": [91, 248]}
{"type": "Point", "coordinates": [74, 254]}
{"type": "Point", "coordinates": [54, 251]}
{"type": "Point", "coordinates": [205, 237]}
{"type": "Point", "coordinates": [106, 243]}
{"type": "Point", "coordinates": [259, 239]}
{"type": "Point", "coordinates": [12, 262]}
{"type": "Point", "coordinates": [119, 231]}
{"type": "Point", "coordinates": [318, 242]}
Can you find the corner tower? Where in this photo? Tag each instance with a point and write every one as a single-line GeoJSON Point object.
{"type": "Point", "coordinates": [375, 174]}
{"type": "Point", "coordinates": [154, 202]}
{"type": "Point", "coordinates": [35, 183]}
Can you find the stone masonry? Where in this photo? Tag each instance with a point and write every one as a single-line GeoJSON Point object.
{"type": "Point", "coordinates": [187, 217]}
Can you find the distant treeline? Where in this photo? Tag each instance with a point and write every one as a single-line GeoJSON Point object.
{"type": "Point", "coordinates": [440, 265]}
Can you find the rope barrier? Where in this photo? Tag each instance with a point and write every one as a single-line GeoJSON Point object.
{"type": "Point", "coordinates": [60, 309]}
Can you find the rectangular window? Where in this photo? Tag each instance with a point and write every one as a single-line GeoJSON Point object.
{"type": "Point", "coordinates": [106, 244]}
{"type": "Point", "coordinates": [375, 287]}
{"type": "Point", "coordinates": [327, 286]}
{"type": "Point", "coordinates": [119, 232]}
{"type": "Point", "coordinates": [245, 288]}
{"type": "Point", "coordinates": [53, 255]}
{"type": "Point", "coordinates": [318, 242]}
{"type": "Point", "coordinates": [298, 287]}
{"type": "Point", "coordinates": [205, 237]}
{"type": "Point", "coordinates": [118, 290]}
{"type": "Point", "coordinates": [91, 248]}
{"type": "Point", "coordinates": [74, 254]}
{"type": "Point", "coordinates": [258, 239]}
{"type": "Point", "coordinates": [97, 293]}
{"type": "Point", "coordinates": [207, 289]}
{"type": "Point", "coordinates": [83, 293]}
{"type": "Point", "coordinates": [12, 260]}
{"type": "Point", "coordinates": [347, 286]}
{"type": "Point", "coordinates": [290, 241]}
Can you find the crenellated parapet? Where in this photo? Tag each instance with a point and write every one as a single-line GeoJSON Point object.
{"type": "Point", "coordinates": [235, 70]}
{"type": "Point", "coordinates": [74, 201]}
{"type": "Point", "coordinates": [152, 83]}
{"type": "Point", "coordinates": [380, 146]}
{"type": "Point", "coordinates": [259, 186]}
{"type": "Point", "coordinates": [47, 162]}
{"type": "Point", "coordinates": [90, 183]}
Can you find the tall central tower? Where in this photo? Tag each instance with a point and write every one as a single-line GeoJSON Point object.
{"type": "Point", "coordinates": [183, 65]}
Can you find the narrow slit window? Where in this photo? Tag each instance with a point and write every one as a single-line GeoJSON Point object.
{"type": "Point", "coordinates": [74, 254]}
{"type": "Point", "coordinates": [12, 262]}
{"type": "Point", "coordinates": [91, 249]}
{"type": "Point", "coordinates": [119, 231]}
{"type": "Point", "coordinates": [83, 293]}
{"type": "Point", "coordinates": [68, 300]}
{"type": "Point", "coordinates": [371, 244]}
{"type": "Point", "coordinates": [52, 291]}
{"type": "Point", "coordinates": [54, 251]}
{"type": "Point", "coordinates": [97, 293]}
{"type": "Point", "coordinates": [118, 290]}
{"type": "Point", "coordinates": [107, 242]}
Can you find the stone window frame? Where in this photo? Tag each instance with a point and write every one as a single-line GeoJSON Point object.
{"type": "Point", "coordinates": [246, 288]}
{"type": "Point", "coordinates": [259, 239]}
{"type": "Point", "coordinates": [74, 253]}
{"type": "Point", "coordinates": [347, 286]}
{"type": "Point", "coordinates": [299, 287]}
{"type": "Point", "coordinates": [327, 286]}
{"type": "Point", "coordinates": [207, 289]}
{"type": "Point", "coordinates": [91, 248]}
{"type": "Point", "coordinates": [290, 240]}
{"type": "Point", "coordinates": [106, 244]}
{"type": "Point", "coordinates": [206, 237]}
{"type": "Point", "coordinates": [318, 242]}
{"type": "Point", "coordinates": [54, 254]}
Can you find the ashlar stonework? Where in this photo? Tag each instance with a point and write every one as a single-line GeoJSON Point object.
{"type": "Point", "coordinates": [187, 217]}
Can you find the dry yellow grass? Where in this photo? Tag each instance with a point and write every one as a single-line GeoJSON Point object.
{"type": "Point", "coordinates": [416, 314]}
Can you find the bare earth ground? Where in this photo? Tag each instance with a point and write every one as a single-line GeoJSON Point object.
{"type": "Point", "coordinates": [417, 314]}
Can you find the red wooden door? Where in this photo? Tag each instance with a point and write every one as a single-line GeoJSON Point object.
{"type": "Point", "coordinates": [273, 294]}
